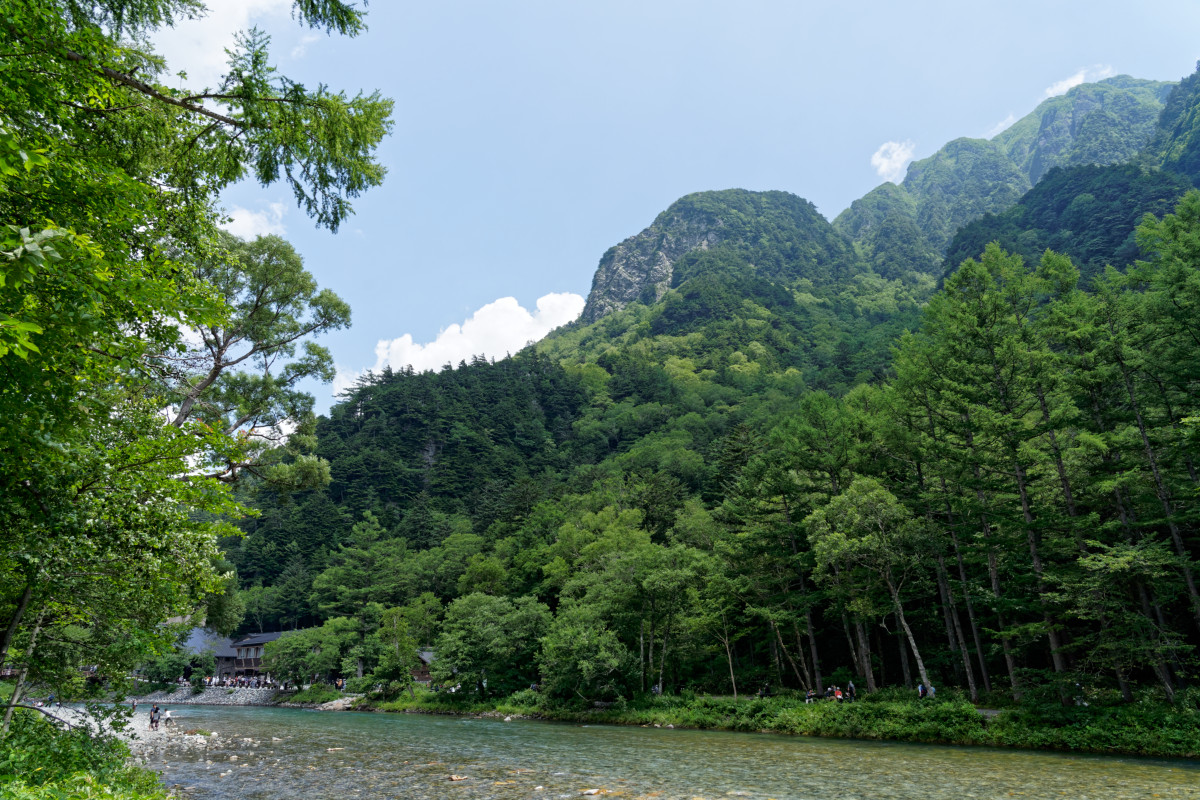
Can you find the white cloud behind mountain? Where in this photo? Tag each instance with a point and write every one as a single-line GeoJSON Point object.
{"type": "Point", "coordinates": [1085, 75]}
{"type": "Point", "coordinates": [891, 159]}
{"type": "Point", "coordinates": [497, 329]}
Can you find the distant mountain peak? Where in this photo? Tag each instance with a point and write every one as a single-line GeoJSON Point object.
{"type": "Point", "coordinates": [800, 241]}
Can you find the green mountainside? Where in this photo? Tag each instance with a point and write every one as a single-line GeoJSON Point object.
{"type": "Point", "coordinates": [1109, 122]}
{"type": "Point", "coordinates": [1177, 143]}
{"type": "Point", "coordinates": [1089, 213]}
{"type": "Point", "coordinates": [774, 450]}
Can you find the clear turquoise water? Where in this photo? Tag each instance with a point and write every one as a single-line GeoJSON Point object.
{"type": "Point", "coordinates": [413, 756]}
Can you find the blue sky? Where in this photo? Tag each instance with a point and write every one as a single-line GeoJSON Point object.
{"type": "Point", "coordinates": [532, 136]}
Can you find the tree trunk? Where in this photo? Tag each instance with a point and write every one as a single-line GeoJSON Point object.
{"type": "Point", "coordinates": [959, 633]}
{"type": "Point", "coordinates": [951, 640]}
{"type": "Point", "coordinates": [13, 700]}
{"type": "Point", "coordinates": [1038, 571]}
{"type": "Point", "coordinates": [883, 674]}
{"type": "Point", "coordinates": [962, 577]}
{"type": "Point", "coordinates": [905, 669]}
{"type": "Point", "coordinates": [849, 640]}
{"type": "Point", "coordinates": [650, 654]}
{"type": "Point", "coordinates": [662, 655]}
{"type": "Point", "coordinates": [728, 657]}
{"type": "Point", "coordinates": [1068, 495]}
{"type": "Point", "coordinates": [19, 687]}
{"type": "Point", "coordinates": [778, 668]}
{"type": "Point", "coordinates": [1161, 671]}
{"type": "Point", "coordinates": [948, 594]}
{"type": "Point", "coordinates": [15, 623]}
{"type": "Point", "coordinates": [1187, 457]}
{"type": "Point", "coordinates": [812, 638]}
{"type": "Point", "coordinates": [808, 678]}
{"type": "Point", "coordinates": [864, 653]}
{"type": "Point", "coordinates": [812, 646]}
{"type": "Point", "coordinates": [912, 642]}
{"type": "Point", "coordinates": [642, 652]}
{"type": "Point", "coordinates": [993, 569]}
{"type": "Point", "coordinates": [783, 649]}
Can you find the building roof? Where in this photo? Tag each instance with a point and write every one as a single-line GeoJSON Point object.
{"type": "Point", "coordinates": [257, 638]}
{"type": "Point", "coordinates": [426, 656]}
{"type": "Point", "coordinates": [201, 640]}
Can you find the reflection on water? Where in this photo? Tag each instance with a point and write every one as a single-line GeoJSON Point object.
{"type": "Point", "coordinates": [314, 755]}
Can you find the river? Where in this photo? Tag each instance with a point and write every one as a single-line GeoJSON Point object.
{"type": "Point", "coordinates": [278, 754]}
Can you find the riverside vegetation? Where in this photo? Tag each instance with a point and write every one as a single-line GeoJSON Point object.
{"type": "Point", "coordinates": [775, 450]}
{"type": "Point", "coordinates": [1148, 727]}
{"type": "Point", "coordinates": [42, 761]}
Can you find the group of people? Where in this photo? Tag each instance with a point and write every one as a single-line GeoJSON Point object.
{"type": "Point", "coordinates": [157, 715]}
{"type": "Point", "coordinates": [834, 693]}
{"type": "Point", "coordinates": [924, 691]}
{"type": "Point", "coordinates": [241, 682]}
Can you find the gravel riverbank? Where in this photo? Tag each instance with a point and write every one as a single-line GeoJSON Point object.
{"type": "Point", "coordinates": [214, 696]}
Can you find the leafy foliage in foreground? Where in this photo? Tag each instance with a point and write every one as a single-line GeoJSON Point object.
{"type": "Point", "coordinates": [39, 761]}
{"type": "Point", "coordinates": [148, 360]}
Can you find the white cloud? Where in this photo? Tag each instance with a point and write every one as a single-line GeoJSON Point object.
{"type": "Point", "coordinates": [197, 46]}
{"type": "Point", "coordinates": [891, 158]}
{"type": "Point", "coordinates": [499, 328]}
{"type": "Point", "coordinates": [301, 48]}
{"type": "Point", "coordinates": [247, 224]}
{"type": "Point", "coordinates": [1085, 75]}
{"type": "Point", "coordinates": [1001, 126]}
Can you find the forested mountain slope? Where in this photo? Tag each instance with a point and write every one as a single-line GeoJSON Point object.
{"type": "Point", "coordinates": [1109, 122]}
{"type": "Point", "coordinates": [1089, 213]}
{"type": "Point", "coordinates": [1176, 146]}
{"type": "Point", "coordinates": [773, 452]}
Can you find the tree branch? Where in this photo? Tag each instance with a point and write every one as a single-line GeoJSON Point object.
{"type": "Point", "coordinates": [150, 91]}
{"type": "Point", "coordinates": [44, 711]}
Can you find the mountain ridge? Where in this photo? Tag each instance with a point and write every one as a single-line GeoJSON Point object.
{"type": "Point", "coordinates": [895, 229]}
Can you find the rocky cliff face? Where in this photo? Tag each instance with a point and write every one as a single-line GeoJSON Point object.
{"type": "Point", "coordinates": [1096, 123]}
{"type": "Point", "coordinates": [640, 268]}
{"type": "Point", "coordinates": [775, 235]}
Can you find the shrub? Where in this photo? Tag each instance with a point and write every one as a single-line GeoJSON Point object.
{"type": "Point", "coordinates": [317, 693]}
{"type": "Point", "coordinates": [361, 685]}
{"type": "Point", "coordinates": [39, 762]}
